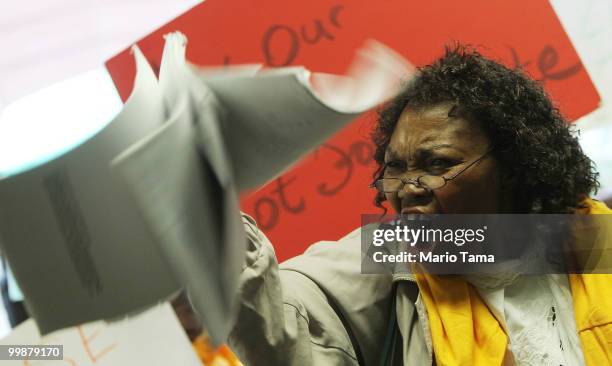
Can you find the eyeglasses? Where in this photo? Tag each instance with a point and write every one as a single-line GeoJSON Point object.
{"type": "Point", "coordinates": [428, 182]}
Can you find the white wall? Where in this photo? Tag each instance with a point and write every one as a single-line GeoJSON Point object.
{"type": "Point", "coordinates": [45, 41]}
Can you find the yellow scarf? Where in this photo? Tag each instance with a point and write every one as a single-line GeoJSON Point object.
{"type": "Point", "coordinates": [465, 332]}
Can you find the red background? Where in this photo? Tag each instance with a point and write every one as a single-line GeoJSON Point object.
{"type": "Point", "coordinates": [323, 197]}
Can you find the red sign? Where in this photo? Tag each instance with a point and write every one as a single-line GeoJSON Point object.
{"type": "Point", "coordinates": [323, 197]}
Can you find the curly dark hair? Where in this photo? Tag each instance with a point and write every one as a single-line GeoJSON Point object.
{"type": "Point", "coordinates": [541, 160]}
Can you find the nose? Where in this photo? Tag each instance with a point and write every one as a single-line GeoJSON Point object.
{"type": "Point", "coordinates": [412, 187]}
{"type": "Point", "coordinates": [412, 194]}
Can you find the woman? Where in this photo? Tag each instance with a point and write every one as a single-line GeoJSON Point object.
{"type": "Point", "coordinates": [466, 135]}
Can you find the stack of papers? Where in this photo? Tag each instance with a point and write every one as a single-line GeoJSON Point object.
{"type": "Point", "coordinates": [149, 205]}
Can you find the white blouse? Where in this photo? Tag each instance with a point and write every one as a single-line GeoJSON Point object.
{"type": "Point", "coordinates": [537, 313]}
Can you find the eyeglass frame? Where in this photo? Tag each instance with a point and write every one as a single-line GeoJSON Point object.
{"type": "Point", "coordinates": [416, 182]}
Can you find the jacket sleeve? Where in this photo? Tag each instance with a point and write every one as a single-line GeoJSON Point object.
{"type": "Point", "coordinates": [284, 318]}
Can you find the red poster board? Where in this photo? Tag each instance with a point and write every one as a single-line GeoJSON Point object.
{"type": "Point", "coordinates": [323, 197]}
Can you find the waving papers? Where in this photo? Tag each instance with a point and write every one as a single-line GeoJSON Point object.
{"type": "Point", "coordinates": [247, 129]}
{"type": "Point", "coordinates": [79, 250]}
{"type": "Point", "coordinates": [273, 120]}
{"type": "Point", "coordinates": [149, 205]}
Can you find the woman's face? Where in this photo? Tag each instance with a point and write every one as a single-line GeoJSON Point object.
{"type": "Point", "coordinates": [429, 142]}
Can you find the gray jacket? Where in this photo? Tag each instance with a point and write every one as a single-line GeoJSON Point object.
{"type": "Point", "coordinates": [319, 309]}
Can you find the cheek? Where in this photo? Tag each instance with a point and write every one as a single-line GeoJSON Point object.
{"type": "Point", "coordinates": [478, 196]}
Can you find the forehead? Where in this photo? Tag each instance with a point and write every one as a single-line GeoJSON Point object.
{"type": "Point", "coordinates": [430, 127]}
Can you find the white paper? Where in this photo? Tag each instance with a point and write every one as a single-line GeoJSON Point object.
{"type": "Point", "coordinates": [178, 81]}
{"type": "Point", "coordinates": [79, 250]}
{"type": "Point", "coordinates": [192, 207]}
{"type": "Point", "coordinates": [14, 292]}
{"type": "Point", "coordinates": [240, 127]}
{"type": "Point", "coordinates": [149, 205]}
{"type": "Point", "coordinates": [153, 338]}
{"type": "Point", "coordinates": [271, 120]}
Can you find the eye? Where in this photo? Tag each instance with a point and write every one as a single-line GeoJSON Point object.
{"type": "Point", "coordinates": [395, 165]}
{"type": "Point", "coordinates": [441, 163]}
